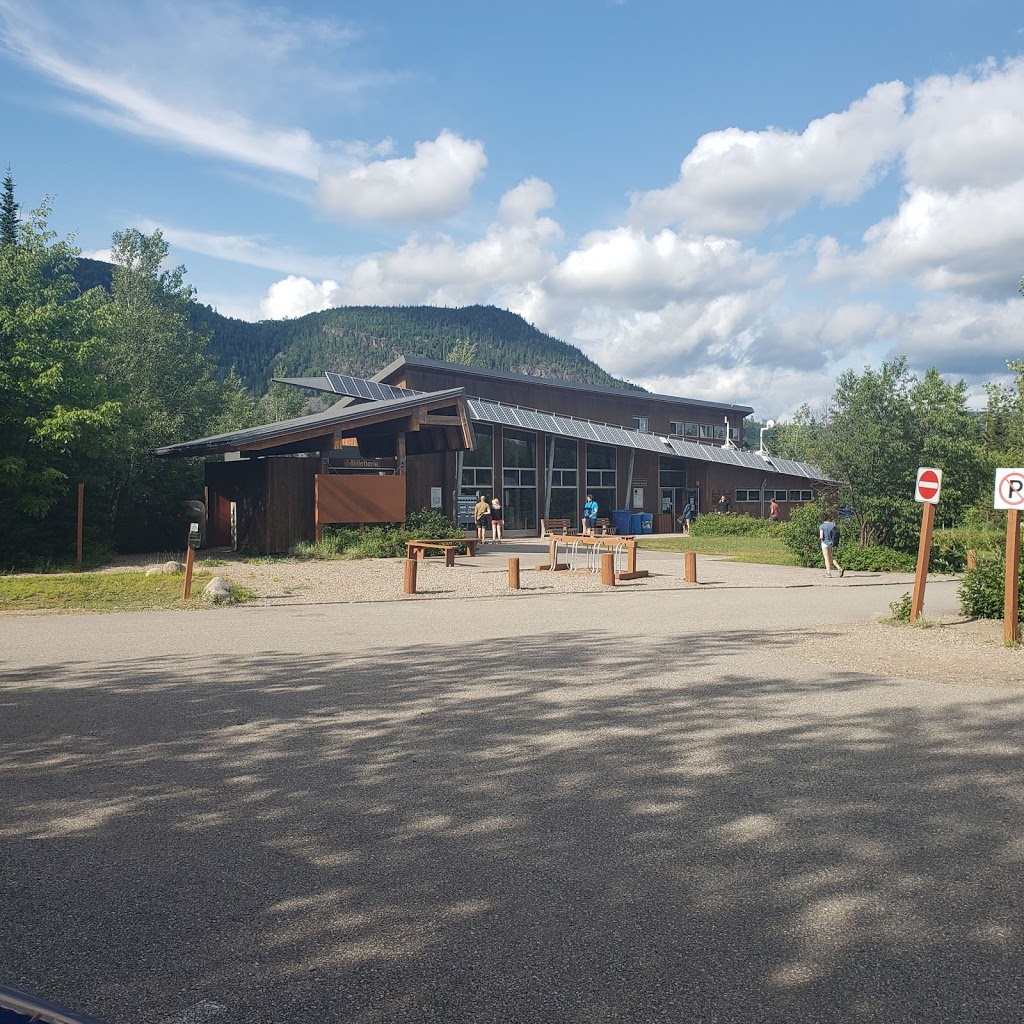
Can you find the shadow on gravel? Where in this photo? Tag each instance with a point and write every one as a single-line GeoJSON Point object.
{"type": "Point", "coordinates": [517, 833]}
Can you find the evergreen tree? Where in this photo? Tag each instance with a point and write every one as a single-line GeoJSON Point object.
{"type": "Point", "coordinates": [8, 213]}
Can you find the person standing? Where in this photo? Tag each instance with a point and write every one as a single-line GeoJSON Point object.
{"type": "Point", "coordinates": [773, 511]}
{"type": "Point", "coordinates": [497, 520]}
{"type": "Point", "coordinates": [686, 519]}
{"type": "Point", "coordinates": [828, 533]}
{"type": "Point", "coordinates": [589, 516]}
{"type": "Point", "coordinates": [482, 517]}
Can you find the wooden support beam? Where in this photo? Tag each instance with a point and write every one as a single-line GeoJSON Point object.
{"type": "Point", "coordinates": [1011, 591]}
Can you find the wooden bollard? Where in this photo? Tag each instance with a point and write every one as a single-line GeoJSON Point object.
{"type": "Point", "coordinates": [410, 576]}
{"type": "Point", "coordinates": [690, 564]}
{"type": "Point", "coordinates": [449, 557]}
{"type": "Point", "coordinates": [972, 559]}
{"type": "Point", "coordinates": [190, 557]}
{"type": "Point", "coordinates": [608, 569]}
{"type": "Point", "coordinates": [513, 574]}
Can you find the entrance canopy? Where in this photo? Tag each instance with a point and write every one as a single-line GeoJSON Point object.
{"type": "Point", "coordinates": [434, 422]}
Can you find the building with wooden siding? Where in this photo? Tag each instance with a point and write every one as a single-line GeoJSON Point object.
{"type": "Point", "coordinates": [423, 433]}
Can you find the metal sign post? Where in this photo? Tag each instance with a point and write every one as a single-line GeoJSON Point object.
{"type": "Point", "coordinates": [927, 491]}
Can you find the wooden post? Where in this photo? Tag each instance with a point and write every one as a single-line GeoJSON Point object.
{"type": "Point", "coordinates": [972, 559]}
{"type": "Point", "coordinates": [690, 563]}
{"type": "Point", "coordinates": [190, 557]}
{"type": "Point", "coordinates": [81, 520]}
{"type": "Point", "coordinates": [608, 569]}
{"type": "Point", "coordinates": [924, 550]}
{"type": "Point", "coordinates": [1011, 602]}
{"type": "Point", "coordinates": [449, 557]}
{"type": "Point", "coordinates": [316, 509]}
{"type": "Point", "coordinates": [410, 576]}
{"type": "Point", "coordinates": [513, 574]}
{"type": "Point", "coordinates": [631, 556]}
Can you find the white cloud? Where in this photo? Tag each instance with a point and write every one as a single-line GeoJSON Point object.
{"type": "Point", "coordinates": [626, 263]}
{"type": "Point", "coordinates": [436, 182]}
{"type": "Point", "coordinates": [737, 181]}
{"type": "Point", "coordinates": [296, 296]}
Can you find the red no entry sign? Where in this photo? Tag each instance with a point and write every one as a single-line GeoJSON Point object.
{"type": "Point", "coordinates": [929, 485]}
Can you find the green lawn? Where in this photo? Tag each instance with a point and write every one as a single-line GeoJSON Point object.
{"type": "Point", "coordinates": [763, 550]}
{"type": "Point", "coordinates": [102, 592]}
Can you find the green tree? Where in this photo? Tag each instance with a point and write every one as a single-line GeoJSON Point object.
{"type": "Point", "coordinates": [8, 213]}
{"type": "Point", "coordinates": [167, 388]}
{"type": "Point", "coordinates": [55, 409]}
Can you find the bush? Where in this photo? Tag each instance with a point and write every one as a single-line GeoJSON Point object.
{"type": "Point", "coordinates": [430, 523]}
{"type": "Point", "coordinates": [873, 559]}
{"type": "Point", "coordinates": [385, 541]}
{"type": "Point", "coordinates": [981, 590]}
{"type": "Point", "coordinates": [800, 534]}
{"type": "Point", "coordinates": [901, 609]}
{"type": "Point", "coordinates": [715, 525]}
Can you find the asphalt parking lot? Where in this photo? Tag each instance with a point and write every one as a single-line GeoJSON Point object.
{"type": "Point", "coordinates": [587, 808]}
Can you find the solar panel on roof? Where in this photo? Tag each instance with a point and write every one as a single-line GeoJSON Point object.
{"type": "Point", "coordinates": [358, 387]}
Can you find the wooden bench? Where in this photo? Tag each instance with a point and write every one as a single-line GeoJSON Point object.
{"type": "Point", "coordinates": [555, 526]}
{"type": "Point", "coordinates": [418, 548]}
{"type": "Point", "coordinates": [604, 526]}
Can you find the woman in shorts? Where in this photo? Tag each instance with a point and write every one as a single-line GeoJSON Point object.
{"type": "Point", "coordinates": [497, 520]}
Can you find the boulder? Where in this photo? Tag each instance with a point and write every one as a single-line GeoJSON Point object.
{"type": "Point", "coordinates": [218, 591]}
{"type": "Point", "coordinates": [168, 568]}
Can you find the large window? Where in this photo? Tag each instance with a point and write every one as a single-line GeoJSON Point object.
{"type": "Point", "coordinates": [564, 496]}
{"type": "Point", "coordinates": [640, 423]}
{"type": "Point", "coordinates": [672, 472]}
{"type": "Point", "coordinates": [601, 477]}
{"type": "Point", "coordinates": [477, 465]}
{"type": "Point", "coordinates": [519, 480]}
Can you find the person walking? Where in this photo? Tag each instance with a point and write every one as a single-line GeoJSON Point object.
{"type": "Point", "coordinates": [686, 519]}
{"type": "Point", "coordinates": [497, 520]}
{"type": "Point", "coordinates": [773, 511]}
{"type": "Point", "coordinates": [828, 534]}
{"type": "Point", "coordinates": [482, 517]}
{"type": "Point", "coordinates": [589, 516]}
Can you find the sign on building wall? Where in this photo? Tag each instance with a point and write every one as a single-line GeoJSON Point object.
{"type": "Point", "coordinates": [435, 497]}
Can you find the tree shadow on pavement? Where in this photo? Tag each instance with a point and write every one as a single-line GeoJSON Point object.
{"type": "Point", "coordinates": [522, 832]}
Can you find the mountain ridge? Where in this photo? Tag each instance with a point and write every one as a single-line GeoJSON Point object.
{"type": "Point", "coordinates": [360, 340]}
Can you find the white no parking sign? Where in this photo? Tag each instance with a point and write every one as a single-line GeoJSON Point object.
{"type": "Point", "coordinates": [1009, 489]}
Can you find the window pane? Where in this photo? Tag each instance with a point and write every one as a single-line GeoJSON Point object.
{"type": "Point", "coordinates": [707, 430]}
{"type": "Point", "coordinates": [483, 453]}
{"type": "Point", "coordinates": [563, 504]}
{"type": "Point", "coordinates": [519, 449]}
{"type": "Point", "coordinates": [565, 453]}
{"type": "Point", "coordinates": [690, 429]}
{"type": "Point", "coordinates": [600, 457]}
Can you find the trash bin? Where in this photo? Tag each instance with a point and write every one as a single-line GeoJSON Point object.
{"type": "Point", "coordinates": [636, 523]}
{"type": "Point", "coordinates": [621, 520]}
{"type": "Point", "coordinates": [647, 522]}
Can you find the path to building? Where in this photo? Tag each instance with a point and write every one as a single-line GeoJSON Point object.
{"type": "Point", "coordinates": [732, 804]}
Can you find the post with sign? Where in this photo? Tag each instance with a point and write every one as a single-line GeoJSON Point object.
{"type": "Point", "coordinates": [1009, 494]}
{"type": "Point", "coordinates": [927, 491]}
{"type": "Point", "coordinates": [190, 555]}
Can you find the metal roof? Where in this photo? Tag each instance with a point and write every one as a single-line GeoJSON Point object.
{"type": "Point", "coordinates": [483, 411]}
{"type": "Point", "coordinates": [554, 382]}
{"type": "Point", "coordinates": [328, 419]}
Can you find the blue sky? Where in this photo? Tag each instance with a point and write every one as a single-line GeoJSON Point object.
{"type": "Point", "coordinates": [731, 202]}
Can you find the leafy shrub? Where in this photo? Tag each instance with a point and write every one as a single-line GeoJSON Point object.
{"type": "Point", "coordinates": [715, 525]}
{"type": "Point", "coordinates": [800, 534]}
{"type": "Point", "coordinates": [873, 559]}
{"type": "Point", "coordinates": [430, 523]}
{"type": "Point", "coordinates": [981, 590]}
{"type": "Point", "coordinates": [901, 609]}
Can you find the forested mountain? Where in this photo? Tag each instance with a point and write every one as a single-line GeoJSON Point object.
{"type": "Point", "coordinates": [361, 340]}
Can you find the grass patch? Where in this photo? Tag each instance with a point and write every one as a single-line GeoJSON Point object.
{"type": "Point", "coordinates": [103, 592]}
{"type": "Point", "coordinates": [759, 550]}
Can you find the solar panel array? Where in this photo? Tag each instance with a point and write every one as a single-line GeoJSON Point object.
{"type": "Point", "coordinates": [358, 387]}
{"type": "Point", "coordinates": [584, 430]}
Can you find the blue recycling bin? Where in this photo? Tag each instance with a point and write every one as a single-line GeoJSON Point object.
{"type": "Point", "coordinates": [636, 523]}
{"type": "Point", "coordinates": [621, 520]}
{"type": "Point", "coordinates": [647, 522]}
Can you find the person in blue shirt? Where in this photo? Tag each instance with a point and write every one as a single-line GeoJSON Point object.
{"type": "Point", "coordinates": [828, 533]}
{"type": "Point", "coordinates": [589, 516]}
{"type": "Point", "coordinates": [687, 518]}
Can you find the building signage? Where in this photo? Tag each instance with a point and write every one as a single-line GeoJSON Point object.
{"type": "Point", "coordinates": [466, 504]}
{"type": "Point", "coordinates": [435, 497]}
{"type": "Point", "coordinates": [1009, 489]}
